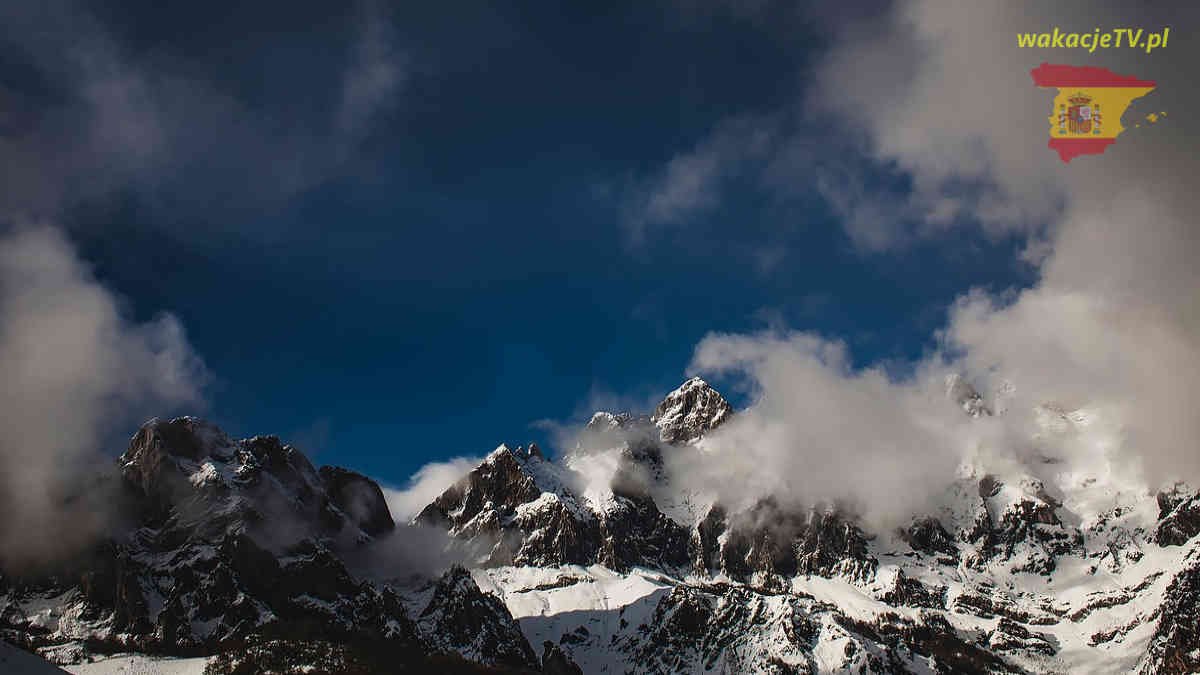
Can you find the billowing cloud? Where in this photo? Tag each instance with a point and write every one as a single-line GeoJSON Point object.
{"type": "Point", "coordinates": [945, 96]}
{"type": "Point", "coordinates": [77, 372]}
{"type": "Point", "coordinates": [821, 431]}
{"type": "Point", "coordinates": [1112, 322]}
{"type": "Point", "coordinates": [942, 99]}
{"type": "Point", "coordinates": [425, 485]}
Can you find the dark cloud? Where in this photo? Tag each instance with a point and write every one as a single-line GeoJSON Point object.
{"type": "Point", "coordinates": [92, 115]}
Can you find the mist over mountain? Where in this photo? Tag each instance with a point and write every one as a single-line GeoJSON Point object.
{"type": "Point", "coordinates": [624, 553]}
{"type": "Point", "coordinates": [936, 411]}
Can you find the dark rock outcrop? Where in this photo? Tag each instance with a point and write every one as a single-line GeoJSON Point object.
{"type": "Point", "coordinates": [358, 497]}
{"type": "Point", "coordinates": [908, 592]}
{"type": "Point", "coordinates": [691, 411]}
{"type": "Point", "coordinates": [1178, 516]}
{"type": "Point", "coordinates": [461, 619]}
{"type": "Point", "coordinates": [521, 508]}
{"type": "Point", "coordinates": [926, 535]}
{"type": "Point", "coordinates": [501, 483]}
{"type": "Point", "coordinates": [1025, 529]}
{"type": "Point", "coordinates": [773, 541]}
{"type": "Point", "coordinates": [1010, 636]}
{"type": "Point", "coordinates": [1175, 646]}
{"type": "Point", "coordinates": [634, 532]}
{"type": "Point", "coordinates": [227, 542]}
{"type": "Point", "coordinates": [494, 506]}
{"type": "Point", "coordinates": [556, 662]}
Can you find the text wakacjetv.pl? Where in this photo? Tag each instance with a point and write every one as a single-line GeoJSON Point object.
{"type": "Point", "coordinates": [1117, 38]}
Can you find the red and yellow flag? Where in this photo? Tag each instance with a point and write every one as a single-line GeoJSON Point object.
{"type": "Point", "coordinates": [1087, 110]}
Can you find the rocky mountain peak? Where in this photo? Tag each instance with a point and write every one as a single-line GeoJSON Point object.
{"type": "Point", "coordinates": [226, 540]}
{"type": "Point", "coordinates": [461, 619]}
{"type": "Point", "coordinates": [234, 541]}
{"type": "Point", "coordinates": [607, 421]}
{"type": "Point", "coordinates": [359, 497]}
{"type": "Point", "coordinates": [691, 411]}
{"type": "Point", "coordinates": [1178, 515]}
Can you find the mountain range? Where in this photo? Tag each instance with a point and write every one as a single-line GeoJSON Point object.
{"type": "Point", "coordinates": [597, 560]}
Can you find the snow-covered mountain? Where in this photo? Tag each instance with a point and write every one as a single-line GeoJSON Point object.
{"type": "Point", "coordinates": [1034, 570]}
{"type": "Point", "coordinates": [242, 548]}
{"type": "Point", "coordinates": [596, 562]}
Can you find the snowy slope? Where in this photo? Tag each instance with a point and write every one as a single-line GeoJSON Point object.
{"type": "Point", "coordinates": [1028, 566]}
{"type": "Point", "coordinates": [138, 664]}
{"type": "Point", "coordinates": [597, 561]}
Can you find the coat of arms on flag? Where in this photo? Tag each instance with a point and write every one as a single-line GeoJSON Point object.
{"type": "Point", "coordinates": [1081, 115]}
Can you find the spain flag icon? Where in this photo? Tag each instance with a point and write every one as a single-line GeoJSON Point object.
{"type": "Point", "coordinates": [1088, 107]}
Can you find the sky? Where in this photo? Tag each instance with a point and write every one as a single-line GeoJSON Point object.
{"type": "Point", "coordinates": [394, 234]}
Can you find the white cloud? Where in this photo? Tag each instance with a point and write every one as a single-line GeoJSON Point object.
{"type": "Point", "coordinates": [1112, 324]}
{"type": "Point", "coordinates": [821, 431]}
{"type": "Point", "coordinates": [77, 372]}
{"type": "Point", "coordinates": [691, 182]}
{"type": "Point", "coordinates": [429, 482]}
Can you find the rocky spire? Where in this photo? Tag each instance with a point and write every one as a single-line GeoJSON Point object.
{"type": "Point", "coordinates": [691, 411]}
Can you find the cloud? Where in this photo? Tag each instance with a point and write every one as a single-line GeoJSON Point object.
{"type": "Point", "coordinates": [108, 119]}
{"type": "Point", "coordinates": [1111, 326]}
{"type": "Point", "coordinates": [691, 182]}
{"type": "Point", "coordinates": [920, 117]}
{"type": "Point", "coordinates": [372, 81]}
{"type": "Point", "coordinates": [89, 117]}
{"type": "Point", "coordinates": [944, 95]}
{"type": "Point", "coordinates": [1112, 322]}
{"type": "Point", "coordinates": [77, 372]}
{"type": "Point", "coordinates": [427, 484]}
{"type": "Point", "coordinates": [820, 431]}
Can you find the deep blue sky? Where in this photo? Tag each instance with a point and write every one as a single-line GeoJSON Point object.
{"type": "Point", "coordinates": [468, 267]}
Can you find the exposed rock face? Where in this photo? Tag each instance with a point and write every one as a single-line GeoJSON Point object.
{"type": "Point", "coordinates": [769, 543]}
{"type": "Point", "coordinates": [634, 532]}
{"type": "Point", "coordinates": [1178, 516]}
{"type": "Point", "coordinates": [556, 662]}
{"type": "Point", "coordinates": [690, 411]}
{"type": "Point", "coordinates": [1019, 524]}
{"type": "Point", "coordinates": [359, 498]}
{"type": "Point", "coordinates": [927, 536]}
{"type": "Point", "coordinates": [1175, 645]}
{"type": "Point", "coordinates": [523, 510]}
{"type": "Point", "coordinates": [726, 628]}
{"type": "Point", "coordinates": [706, 543]}
{"type": "Point", "coordinates": [907, 592]}
{"type": "Point", "coordinates": [1010, 636]}
{"type": "Point", "coordinates": [502, 507]}
{"type": "Point", "coordinates": [228, 541]}
{"type": "Point", "coordinates": [500, 484]}
{"type": "Point", "coordinates": [460, 619]}
{"type": "Point", "coordinates": [966, 583]}
{"type": "Point", "coordinates": [237, 547]}
{"type": "Point", "coordinates": [721, 628]}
